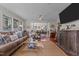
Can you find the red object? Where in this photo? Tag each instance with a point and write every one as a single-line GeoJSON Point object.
{"type": "Point", "coordinates": [53, 37]}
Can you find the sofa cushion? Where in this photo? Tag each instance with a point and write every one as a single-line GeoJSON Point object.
{"type": "Point", "coordinates": [13, 37]}
{"type": "Point", "coordinates": [14, 44]}
{"type": "Point", "coordinates": [18, 42]}
{"type": "Point", "coordinates": [19, 34]}
{"type": "Point", "coordinates": [2, 41]}
{"type": "Point", "coordinates": [7, 38]}
{"type": "Point", "coordinates": [9, 46]}
{"type": "Point", "coordinates": [6, 47]}
{"type": "Point", "coordinates": [24, 33]}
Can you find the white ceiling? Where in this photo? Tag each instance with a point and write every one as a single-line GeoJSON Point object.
{"type": "Point", "coordinates": [31, 11]}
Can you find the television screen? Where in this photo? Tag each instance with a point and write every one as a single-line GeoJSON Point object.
{"type": "Point", "coordinates": [71, 13]}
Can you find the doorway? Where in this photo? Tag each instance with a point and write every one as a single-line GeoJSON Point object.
{"type": "Point", "coordinates": [42, 30]}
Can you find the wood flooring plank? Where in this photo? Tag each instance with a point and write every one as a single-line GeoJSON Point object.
{"type": "Point", "coordinates": [50, 49]}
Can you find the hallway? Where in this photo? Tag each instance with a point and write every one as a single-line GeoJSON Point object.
{"type": "Point", "coordinates": [50, 49]}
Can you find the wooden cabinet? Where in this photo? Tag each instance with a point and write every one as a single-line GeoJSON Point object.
{"type": "Point", "coordinates": [68, 40]}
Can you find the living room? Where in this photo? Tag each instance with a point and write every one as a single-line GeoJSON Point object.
{"type": "Point", "coordinates": [15, 28]}
{"type": "Point", "coordinates": [39, 29]}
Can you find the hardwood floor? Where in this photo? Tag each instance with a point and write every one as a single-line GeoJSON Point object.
{"type": "Point", "coordinates": [50, 49]}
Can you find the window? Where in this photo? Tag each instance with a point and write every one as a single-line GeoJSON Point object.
{"type": "Point", "coordinates": [7, 22]}
{"type": "Point", "coordinates": [15, 23]}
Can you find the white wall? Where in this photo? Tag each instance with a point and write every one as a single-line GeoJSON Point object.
{"type": "Point", "coordinates": [70, 23]}
{"type": "Point", "coordinates": [10, 14]}
{"type": "Point", "coordinates": [54, 22]}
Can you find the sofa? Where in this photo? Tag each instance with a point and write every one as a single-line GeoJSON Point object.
{"type": "Point", "coordinates": [10, 47]}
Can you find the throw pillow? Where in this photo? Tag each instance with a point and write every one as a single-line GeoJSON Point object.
{"type": "Point", "coordinates": [7, 38]}
{"type": "Point", "coordinates": [2, 41]}
{"type": "Point", "coordinates": [19, 34]}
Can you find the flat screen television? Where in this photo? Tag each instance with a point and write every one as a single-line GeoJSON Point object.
{"type": "Point", "coordinates": [71, 13]}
